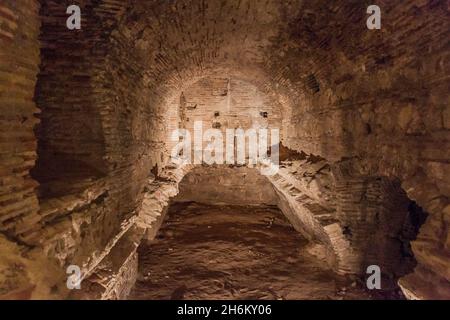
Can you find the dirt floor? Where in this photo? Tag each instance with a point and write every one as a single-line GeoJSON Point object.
{"type": "Point", "coordinates": [235, 252]}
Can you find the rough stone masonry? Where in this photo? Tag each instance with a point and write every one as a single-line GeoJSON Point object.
{"type": "Point", "coordinates": [86, 115]}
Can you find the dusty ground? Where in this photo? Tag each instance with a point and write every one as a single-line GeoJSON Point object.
{"type": "Point", "coordinates": [232, 252]}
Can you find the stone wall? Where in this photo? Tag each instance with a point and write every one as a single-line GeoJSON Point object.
{"type": "Point", "coordinates": [222, 103]}
{"type": "Point", "coordinates": [226, 185]}
{"type": "Point", "coordinates": [19, 60]}
{"type": "Point", "coordinates": [90, 176]}
{"type": "Point", "coordinates": [19, 29]}
{"type": "Point", "coordinates": [377, 99]}
{"type": "Point", "coordinates": [373, 212]}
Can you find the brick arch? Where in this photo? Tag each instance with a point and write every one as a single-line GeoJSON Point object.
{"type": "Point", "coordinates": [379, 97]}
{"type": "Point", "coordinates": [398, 191]}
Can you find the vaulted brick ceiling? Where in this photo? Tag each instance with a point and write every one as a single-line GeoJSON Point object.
{"type": "Point", "coordinates": [370, 102]}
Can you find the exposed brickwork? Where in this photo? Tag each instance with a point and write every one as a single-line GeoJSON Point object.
{"type": "Point", "coordinates": [19, 28]}
{"type": "Point", "coordinates": [108, 94]}
{"type": "Point", "coordinates": [222, 103]}
{"type": "Point", "coordinates": [221, 185]}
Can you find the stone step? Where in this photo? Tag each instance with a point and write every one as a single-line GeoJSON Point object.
{"type": "Point", "coordinates": [294, 192]}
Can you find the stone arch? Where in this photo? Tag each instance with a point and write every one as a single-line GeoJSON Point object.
{"type": "Point", "coordinates": [377, 98]}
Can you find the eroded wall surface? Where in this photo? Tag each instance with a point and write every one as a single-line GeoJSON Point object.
{"type": "Point", "coordinates": [226, 185]}
{"type": "Point", "coordinates": [371, 103]}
